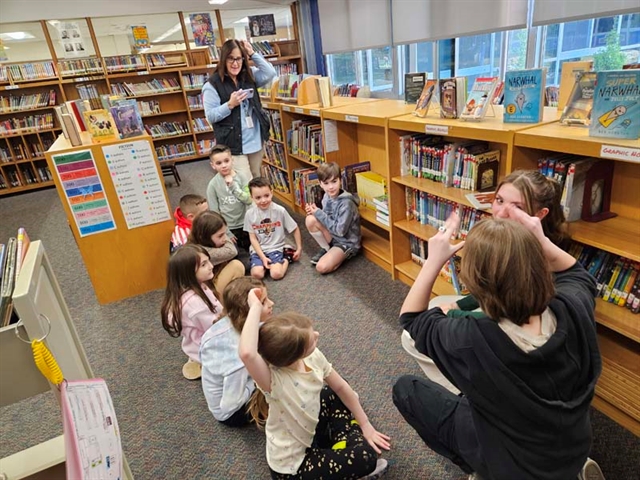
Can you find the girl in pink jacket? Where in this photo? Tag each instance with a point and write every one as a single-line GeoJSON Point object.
{"type": "Point", "coordinates": [190, 307]}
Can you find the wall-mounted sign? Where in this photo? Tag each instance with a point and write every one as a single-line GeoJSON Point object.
{"type": "Point", "coordinates": [261, 25]}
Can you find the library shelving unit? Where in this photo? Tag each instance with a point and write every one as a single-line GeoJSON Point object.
{"type": "Point", "coordinates": [493, 130]}
{"type": "Point", "coordinates": [361, 129]}
{"type": "Point", "coordinates": [618, 390]}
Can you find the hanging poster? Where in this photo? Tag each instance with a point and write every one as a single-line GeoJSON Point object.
{"type": "Point", "coordinates": [3, 53]}
{"type": "Point", "coordinates": [134, 173]}
{"type": "Point", "coordinates": [92, 439]}
{"type": "Point", "coordinates": [140, 37]}
{"type": "Point", "coordinates": [261, 25]}
{"type": "Point", "coordinates": [84, 192]}
{"type": "Point", "coordinates": [202, 29]}
{"type": "Point", "coordinates": [71, 39]}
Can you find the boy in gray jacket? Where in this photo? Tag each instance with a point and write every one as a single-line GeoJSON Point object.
{"type": "Point", "coordinates": [335, 226]}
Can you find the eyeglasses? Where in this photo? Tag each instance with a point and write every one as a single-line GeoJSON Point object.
{"type": "Point", "coordinates": [236, 60]}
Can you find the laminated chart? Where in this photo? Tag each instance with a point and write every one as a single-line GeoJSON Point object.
{"type": "Point", "coordinates": [134, 173]}
{"type": "Point", "coordinates": [84, 192]}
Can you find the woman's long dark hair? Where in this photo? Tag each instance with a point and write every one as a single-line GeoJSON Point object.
{"type": "Point", "coordinates": [225, 52]}
{"type": "Point", "coordinates": [181, 277]}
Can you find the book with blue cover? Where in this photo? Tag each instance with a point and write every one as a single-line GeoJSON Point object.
{"type": "Point", "coordinates": [524, 95]}
{"type": "Point", "coordinates": [616, 105]}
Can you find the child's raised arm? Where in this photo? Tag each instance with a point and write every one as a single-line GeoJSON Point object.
{"type": "Point", "coordinates": [256, 366]}
{"type": "Point", "coordinates": [341, 388]}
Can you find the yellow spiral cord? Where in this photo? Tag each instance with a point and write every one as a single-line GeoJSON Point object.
{"type": "Point", "coordinates": [46, 363]}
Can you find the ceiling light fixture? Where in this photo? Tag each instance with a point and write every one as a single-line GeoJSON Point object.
{"type": "Point", "coordinates": [15, 36]}
{"type": "Point", "coordinates": [217, 2]}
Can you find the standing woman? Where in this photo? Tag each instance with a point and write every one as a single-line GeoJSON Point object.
{"type": "Point", "coordinates": [232, 104]}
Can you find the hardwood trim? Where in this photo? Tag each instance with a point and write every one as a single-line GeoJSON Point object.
{"type": "Point", "coordinates": [94, 40]}
{"type": "Point", "coordinates": [47, 37]}
{"type": "Point", "coordinates": [185, 35]}
{"type": "Point", "coordinates": [220, 27]}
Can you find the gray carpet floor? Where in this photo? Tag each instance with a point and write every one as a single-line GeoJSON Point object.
{"type": "Point", "coordinates": [166, 428]}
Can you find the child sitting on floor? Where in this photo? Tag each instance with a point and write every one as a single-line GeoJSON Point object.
{"type": "Point", "coordinates": [226, 383]}
{"type": "Point", "coordinates": [266, 223]}
{"type": "Point", "coordinates": [190, 206]}
{"type": "Point", "coordinates": [336, 226]}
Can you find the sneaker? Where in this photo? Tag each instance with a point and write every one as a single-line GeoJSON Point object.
{"type": "Point", "coordinates": [316, 258]}
{"type": "Point", "coordinates": [381, 468]}
{"type": "Point", "coordinates": [287, 253]}
{"type": "Point", "coordinates": [192, 370]}
{"type": "Point", "coordinates": [590, 471]}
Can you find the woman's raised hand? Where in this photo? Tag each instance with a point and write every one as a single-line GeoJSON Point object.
{"type": "Point", "coordinates": [237, 98]}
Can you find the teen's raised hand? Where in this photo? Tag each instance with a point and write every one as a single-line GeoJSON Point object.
{"type": "Point", "coordinates": [531, 223]}
{"type": "Point", "coordinates": [440, 247]}
{"type": "Point", "coordinates": [376, 439]}
{"type": "Point", "coordinates": [254, 297]}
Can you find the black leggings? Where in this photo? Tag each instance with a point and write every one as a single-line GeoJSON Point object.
{"type": "Point", "coordinates": [328, 457]}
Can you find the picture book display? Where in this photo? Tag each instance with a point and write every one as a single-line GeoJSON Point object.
{"type": "Point", "coordinates": [422, 105]}
{"type": "Point", "coordinates": [577, 111]}
{"type": "Point", "coordinates": [127, 118]}
{"type": "Point", "coordinates": [524, 95]}
{"type": "Point", "coordinates": [453, 93]}
{"type": "Point", "coordinates": [571, 71]}
{"type": "Point", "coordinates": [100, 125]}
{"type": "Point", "coordinates": [413, 86]}
{"type": "Point", "coordinates": [616, 105]}
{"type": "Point", "coordinates": [480, 98]}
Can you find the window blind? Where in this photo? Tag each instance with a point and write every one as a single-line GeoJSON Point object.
{"type": "Point", "coordinates": [557, 11]}
{"type": "Point", "coordinates": [426, 20]}
{"type": "Point", "coordinates": [348, 25]}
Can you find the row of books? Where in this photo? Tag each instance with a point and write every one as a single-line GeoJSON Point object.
{"type": "Point", "coordinates": [264, 47]}
{"type": "Point", "coordinates": [347, 90]}
{"type": "Point", "coordinates": [286, 69]}
{"type": "Point", "coordinates": [288, 85]}
{"type": "Point", "coordinates": [123, 63]}
{"type": "Point", "coordinates": [4, 74]}
{"type": "Point", "coordinates": [80, 66]}
{"type": "Point", "coordinates": [167, 129]}
{"type": "Point", "coordinates": [617, 278]}
{"type": "Point", "coordinates": [90, 92]}
{"type": "Point", "coordinates": [278, 179]}
{"type": "Point", "coordinates": [468, 165]}
{"type": "Point", "coordinates": [205, 145]}
{"type": "Point", "coordinates": [306, 187]}
{"type": "Point", "coordinates": [11, 257]}
{"type": "Point", "coordinates": [157, 85]}
{"type": "Point", "coordinates": [450, 271]}
{"type": "Point", "coordinates": [382, 209]}
{"type": "Point", "coordinates": [16, 103]}
{"type": "Point", "coordinates": [30, 71]}
{"type": "Point", "coordinates": [429, 209]}
{"type": "Point", "coordinates": [195, 102]}
{"type": "Point", "coordinates": [29, 150]}
{"type": "Point", "coordinates": [165, 60]}
{"type": "Point", "coordinates": [194, 80]}
{"type": "Point", "coordinates": [275, 124]}
{"type": "Point", "coordinates": [174, 151]}
{"type": "Point", "coordinates": [201, 124]}
{"type": "Point", "coordinates": [9, 178]}
{"type": "Point", "coordinates": [24, 175]}
{"type": "Point", "coordinates": [275, 154]}
{"type": "Point", "coordinates": [32, 122]}
{"type": "Point", "coordinates": [305, 140]}
{"type": "Point", "coordinates": [149, 107]}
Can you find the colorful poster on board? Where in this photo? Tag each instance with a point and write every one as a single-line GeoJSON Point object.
{"type": "Point", "coordinates": [202, 29]}
{"type": "Point", "coordinates": [71, 39]}
{"type": "Point", "coordinates": [3, 53]}
{"type": "Point", "coordinates": [84, 192]}
{"type": "Point", "coordinates": [140, 37]}
{"type": "Point", "coordinates": [92, 439]}
{"type": "Point", "coordinates": [134, 174]}
{"type": "Point", "coordinates": [261, 25]}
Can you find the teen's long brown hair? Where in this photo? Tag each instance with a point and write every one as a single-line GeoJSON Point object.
{"type": "Point", "coordinates": [225, 52]}
{"type": "Point", "coordinates": [538, 192]}
{"type": "Point", "coordinates": [181, 277]}
{"type": "Point", "coordinates": [282, 341]}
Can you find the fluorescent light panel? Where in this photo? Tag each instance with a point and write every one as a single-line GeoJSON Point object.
{"type": "Point", "coordinates": [217, 2]}
{"type": "Point", "coordinates": [15, 36]}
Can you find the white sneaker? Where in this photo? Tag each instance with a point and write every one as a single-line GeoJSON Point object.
{"type": "Point", "coordinates": [381, 468]}
{"type": "Point", "coordinates": [591, 471]}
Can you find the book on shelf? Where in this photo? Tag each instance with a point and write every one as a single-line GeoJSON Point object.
{"type": "Point", "coordinates": [8, 278]}
{"type": "Point", "coordinates": [22, 245]}
{"type": "Point", "coordinates": [577, 111]}
{"type": "Point", "coordinates": [323, 87]}
{"type": "Point", "coordinates": [413, 86]}
{"type": "Point", "coordinates": [15, 103]}
{"type": "Point", "coordinates": [422, 105]}
{"type": "Point", "coordinates": [498, 94]}
{"type": "Point", "coordinates": [76, 109]}
{"type": "Point", "coordinates": [70, 129]}
{"type": "Point", "coordinates": [101, 125]}
{"type": "Point", "coordinates": [616, 105]}
{"type": "Point", "coordinates": [370, 185]}
{"type": "Point", "coordinates": [570, 72]}
{"type": "Point", "coordinates": [524, 95]}
{"type": "Point", "coordinates": [348, 176]}
{"type": "Point", "coordinates": [480, 98]}
{"type": "Point", "coordinates": [306, 187]}
{"type": "Point", "coordinates": [551, 95]}
{"type": "Point", "coordinates": [481, 200]}
{"type": "Point", "coordinates": [453, 95]}
{"type": "Point", "coordinates": [127, 118]}
{"type": "Point", "coordinates": [573, 190]}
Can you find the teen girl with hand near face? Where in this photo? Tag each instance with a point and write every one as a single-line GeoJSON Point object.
{"type": "Point", "coordinates": [310, 428]}
{"type": "Point", "coordinates": [189, 307]}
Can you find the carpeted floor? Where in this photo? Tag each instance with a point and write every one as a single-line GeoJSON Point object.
{"type": "Point", "coordinates": [168, 433]}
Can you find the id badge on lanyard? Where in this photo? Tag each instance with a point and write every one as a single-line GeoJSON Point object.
{"type": "Point", "coordinates": [248, 119]}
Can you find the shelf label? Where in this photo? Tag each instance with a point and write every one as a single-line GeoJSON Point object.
{"type": "Point", "coordinates": [286, 109]}
{"type": "Point", "coordinates": [615, 152]}
{"type": "Point", "coordinates": [211, 65]}
{"type": "Point", "coordinates": [299, 110]}
{"type": "Point", "coordinates": [12, 87]}
{"type": "Point", "coordinates": [351, 118]}
{"type": "Point", "coordinates": [143, 73]}
{"type": "Point", "coordinates": [436, 129]}
{"type": "Point", "coordinates": [315, 113]}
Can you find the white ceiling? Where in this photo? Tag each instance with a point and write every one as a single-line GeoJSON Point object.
{"type": "Point", "coordinates": [29, 10]}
